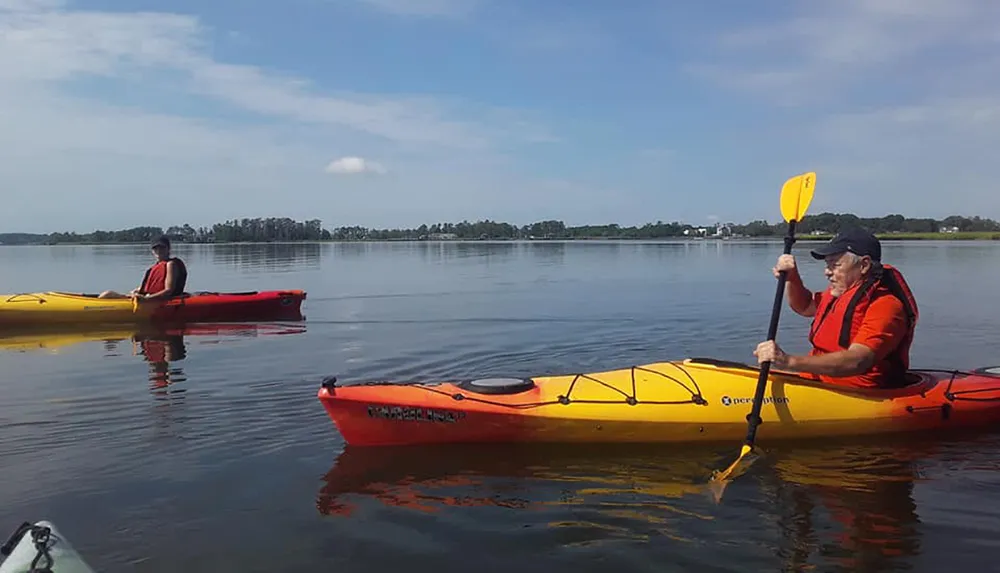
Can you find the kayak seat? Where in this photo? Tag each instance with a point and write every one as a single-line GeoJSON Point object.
{"type": "Point", "coordinates": [909, 379]}
{"type": "Point", "coordinates": [497, 385]}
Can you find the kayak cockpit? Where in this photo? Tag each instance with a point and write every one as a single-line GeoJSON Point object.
{"type": "Point", "coordinates": [914, 381]}
{"type": "Point", "coordinates": [497, 386]}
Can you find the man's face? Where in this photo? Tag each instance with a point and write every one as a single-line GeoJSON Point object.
{"type": "Point", "coordinates": [161, 252]}
{"type": "Point", "coordinates": [843, 272]}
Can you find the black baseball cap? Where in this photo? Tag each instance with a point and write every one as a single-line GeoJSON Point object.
{"type": "Point", "coordinates": [854, 240]}
{"type": "Point", "coordinates": [161, 241]}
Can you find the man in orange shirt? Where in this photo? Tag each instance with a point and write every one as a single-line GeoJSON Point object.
{"type": "Point", "coordinates": [165, 279]}
{"type": "Point", "coordinates": [863, 323]}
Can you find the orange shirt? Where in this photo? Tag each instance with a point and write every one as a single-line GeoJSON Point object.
{"type": "Point", "coordinates": [882, 329]}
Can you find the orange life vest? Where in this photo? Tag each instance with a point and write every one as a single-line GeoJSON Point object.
{"type": "Point", "coordinates": [155, 278]}
{"type": "Point", "coordinates": [838, 319]}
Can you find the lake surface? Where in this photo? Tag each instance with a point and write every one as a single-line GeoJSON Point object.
{"type": "Point", "coordinates": [210, 452]}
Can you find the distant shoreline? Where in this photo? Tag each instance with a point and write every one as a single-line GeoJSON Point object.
{"type": "Point", "coordinates": [893, 237]}
{"type": "Point", "coordinates": [819, 227]}
{"type": "Point", "coordinates": [939, 236]}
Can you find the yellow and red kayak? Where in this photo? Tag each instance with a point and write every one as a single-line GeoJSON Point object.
{"type": "Point", "coordinates": [36, 308]}
{"type": "Point", "coordinates": [694, 400]}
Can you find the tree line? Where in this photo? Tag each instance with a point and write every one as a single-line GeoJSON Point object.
{"type": "Point", "coordinates": [257, 230]}
{"type": "Point", "coordinates": [274, 229]}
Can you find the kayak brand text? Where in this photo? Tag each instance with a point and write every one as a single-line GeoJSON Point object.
{"type": "Point", "coordinates": [730, 401]}
{"type": "Point", "coordinates": [413, 414]}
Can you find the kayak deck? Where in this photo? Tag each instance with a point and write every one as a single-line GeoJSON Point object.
{"type": "Point", "coordinates": [41, 541]}
{"type": "Point", "coordinates": [694, 400]}
{"type": "Point", "coordinates": [55, 307]}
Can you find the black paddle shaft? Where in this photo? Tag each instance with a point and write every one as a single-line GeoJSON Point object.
{"type": "Point", "coordinates": [772, 331]}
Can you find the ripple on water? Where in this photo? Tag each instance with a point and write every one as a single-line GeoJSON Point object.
{"type": "Point", "coordinates": [222, 458]}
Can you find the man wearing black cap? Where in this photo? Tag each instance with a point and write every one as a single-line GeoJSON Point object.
{"type": "Point", "coordinates": [863, 323]}
{"type": "Point", "coordinates": [166, 278]}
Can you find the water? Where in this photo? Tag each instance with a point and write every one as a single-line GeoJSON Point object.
{"type": "Point", "coordinates": [208, 451]}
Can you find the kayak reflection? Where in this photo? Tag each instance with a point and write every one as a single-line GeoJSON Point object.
{"type": "Point", "coordinates": [404, 477]}
{"type": "Point", "coordinates": [846, 504]}
{"type": "Point", "coordinates": [158, 345]}
{"type": "Point", "coordinates": [57, 337]}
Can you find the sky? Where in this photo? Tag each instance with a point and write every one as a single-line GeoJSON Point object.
{"type": "Point", "coordinates": [393, 113]}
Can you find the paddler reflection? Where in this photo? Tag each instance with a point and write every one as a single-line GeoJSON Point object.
{"type": "Point", "coordinates": [160, 350]}
{"type": "Point", "coordinates": [848, 506]}
{"type": "Point", "coordinates": [161, 346]}
{"type": "Point", "coordinates": [862, 494]}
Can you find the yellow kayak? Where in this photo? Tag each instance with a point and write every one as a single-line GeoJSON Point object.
{"type": "Point", "coordinates": [65, 308]}
{"type": "Point", "coordinates": [694, 400]}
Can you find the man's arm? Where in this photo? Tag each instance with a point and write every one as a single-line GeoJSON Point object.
{"type": "Point", "coordinates": [857, 359]}
{"type": "Point", "coordinates": [800, 299]}
{"type": "Point", "coordinates": [168, 283]}
{"type": "Point", "coordinates": [880, 333]}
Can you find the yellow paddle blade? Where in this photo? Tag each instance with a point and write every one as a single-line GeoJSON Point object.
{"type": "Point", "coordinates": [796, 194]}
{"type": "Point", "coordinates": [724, 474]}
{"type": "Point", "coordinates": [719, 480]}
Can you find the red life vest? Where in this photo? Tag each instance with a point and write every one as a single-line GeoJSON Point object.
{"type": "Point", "coordinates": [155, 278]}
{"type": "Point", "coordinates": [838, 319]}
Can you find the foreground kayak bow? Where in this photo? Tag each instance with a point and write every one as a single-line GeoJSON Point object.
{"type": "Point", "coordinates": [695, 400]}
{"type": "Point", "coordinates": [40, 547]}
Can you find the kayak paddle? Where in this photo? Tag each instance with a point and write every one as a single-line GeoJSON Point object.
{"type": "Point", "coordinates": [796, 194]}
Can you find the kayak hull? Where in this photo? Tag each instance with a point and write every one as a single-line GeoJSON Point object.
{"type": "Point", "coordinates": [43, 308]}
{"type": "Point", "coordinates": [695, 400]}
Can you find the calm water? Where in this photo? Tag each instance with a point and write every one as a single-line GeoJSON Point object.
{"type": "Point", "coordinates": [208, 451]}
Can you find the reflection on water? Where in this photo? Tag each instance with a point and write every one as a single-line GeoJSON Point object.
{"type": "Point", "coordinates": [160, 351]}
{"type": "Point", "coordinates": [121, 431]}
{"type": "Point", "coordinates": [161, 347]}
{"type": "Point", "coordinates": [847, 504]}
{"type": "Point", "coordinates": [57, 336]}
{"type": "Point", "coordinates": [853, 506]}
{"type": "Point", "coordinates": [549, 253]}
{"type": "Point", "coordinates": [485, 252]}
{"type": "Point", "coordinates": [273, 257]}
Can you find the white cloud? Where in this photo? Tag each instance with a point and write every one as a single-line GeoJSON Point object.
{"type": "Point", "coordinates": [112, 104]}
{"type": "Point", "coordinates": [354, 165]}
{"type": "Point", "coordinates": [60, 45]}
{"type": "Point", "coordinates": [438, 8]}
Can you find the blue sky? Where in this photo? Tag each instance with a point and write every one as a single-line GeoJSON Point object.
{"type": "Point", "coordinates": [398, 112]}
